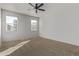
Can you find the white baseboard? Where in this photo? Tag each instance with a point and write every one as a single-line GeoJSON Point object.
{"type": "Point", "coordinates": [56, 39]}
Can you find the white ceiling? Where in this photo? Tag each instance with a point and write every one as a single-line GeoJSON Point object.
{"type": "Point", "coordinates": [21, 8]}
{"type": "Point", "coordinates": [18, 7]}
{"type": "Point", "coordinates": [27, 9]}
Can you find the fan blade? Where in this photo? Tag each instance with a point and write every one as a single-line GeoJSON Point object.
{"type": "Point", "coordinates": [32, 5]}
{"type": "Point", "coordinates": [36, 5]}
{"type": "Point", "coordinates": [41, 9]}
{"type": "Point", "coordinates": [40, 5]}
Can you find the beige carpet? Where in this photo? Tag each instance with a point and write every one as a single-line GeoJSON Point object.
{"type": "Point", "coordinates": [13, 48]}
{"type": "Point", "coordinates": [8, 44]}
{"type": "Point", "coordinates": [45, 47]}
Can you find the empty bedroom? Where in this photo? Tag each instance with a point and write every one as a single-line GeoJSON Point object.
{"type": "Point", "coordinates": [39, 29]}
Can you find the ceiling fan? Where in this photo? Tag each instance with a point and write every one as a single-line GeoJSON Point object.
{"type": "Point", "coordinates": [37, 7]}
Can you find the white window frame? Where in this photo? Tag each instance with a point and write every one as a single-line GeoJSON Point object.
{"type": "Point", "coordinates": [14, 23]}
{"type": "Point", "coordinates": [34, 25]}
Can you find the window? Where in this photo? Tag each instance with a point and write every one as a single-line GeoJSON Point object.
{"type": "Point", "coordinates": [33, 25]}
{"type": "Point", "coordinates": [11, 23]}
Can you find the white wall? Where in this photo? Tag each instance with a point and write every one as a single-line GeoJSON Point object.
{"type": "Point", "coordinates": [23, 27]}
{"type": "Point", "coordinates": [60, 22]}
{"type": "Point", "coordinates": [0, 26]}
